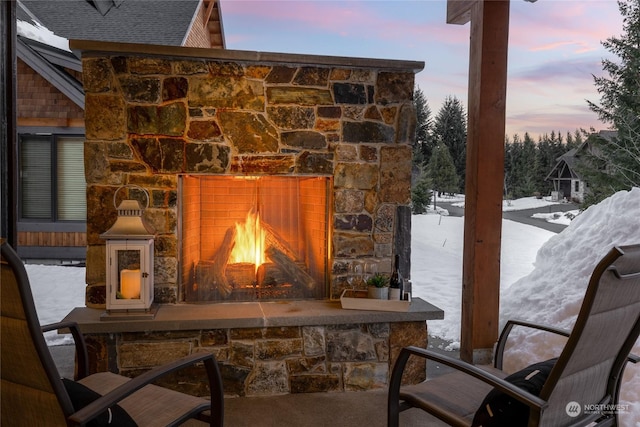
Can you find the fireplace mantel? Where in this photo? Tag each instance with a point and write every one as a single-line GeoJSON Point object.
{"type": "Point", "coordinates": [177, 317]}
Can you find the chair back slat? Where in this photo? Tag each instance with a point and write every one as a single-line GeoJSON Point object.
{"type": "Point", "coordinates": [608, 324]}
{"type": "Point", "coordinates": [32, 393]}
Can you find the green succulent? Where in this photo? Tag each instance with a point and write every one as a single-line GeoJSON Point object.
{"type": "Point", "coordinates": [378, 280]}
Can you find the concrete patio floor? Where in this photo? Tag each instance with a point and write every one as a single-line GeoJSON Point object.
{"type": "Point", "coordinates": [348, 409]}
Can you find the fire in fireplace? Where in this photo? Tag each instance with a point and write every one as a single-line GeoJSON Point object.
{"type": "Point", "coordinates": [246, 238]}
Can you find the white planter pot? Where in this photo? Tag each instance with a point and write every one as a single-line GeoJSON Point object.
{"type": "Point", "coordinates": [378, 293]}
{"type": "Point", "coordinates": [394, 294]}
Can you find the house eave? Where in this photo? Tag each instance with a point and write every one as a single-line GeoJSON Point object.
{"type": "Point", "coordinates": [57, 57]}
{"type": "Point", "coordinates": [58, 78]}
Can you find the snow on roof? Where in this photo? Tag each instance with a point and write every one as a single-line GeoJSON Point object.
{"type": "Point", "coordinates": [41, 34]}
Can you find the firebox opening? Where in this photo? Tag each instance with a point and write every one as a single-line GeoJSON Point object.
{"type": "Point", "coordinates": [247, 238]}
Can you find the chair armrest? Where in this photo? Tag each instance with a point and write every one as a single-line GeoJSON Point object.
{"type": "Point", "coordinates": [506, 387]}
{"type": "Point", "coordinates": [82, 356]}
{"type": "Point", "coordinates": [502, 340]}
{"type": "Point", "coordinates": [101, 404]}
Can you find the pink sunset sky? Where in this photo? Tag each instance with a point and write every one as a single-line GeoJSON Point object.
{"type": "Point", "coordinates": [554, 48]}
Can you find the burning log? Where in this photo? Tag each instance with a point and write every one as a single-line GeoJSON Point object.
{"type": "Point", "coordinates": [221, 258]}
{"type": "Point", "coordinates": [273, 239]}
{"type": "Point", "coordinates": [241, 274]}
{"type": "Point", "coordinates": [270, 274]}
{"type": "Point", "coordinates": [297, 275]}
{"type": "Point", "coordinates": [214, 277]}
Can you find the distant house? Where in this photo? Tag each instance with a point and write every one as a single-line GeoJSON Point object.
{"type": "Point", "coordinates": [568, 184]}
{"type": "Point", "coordinates": [50, 103]}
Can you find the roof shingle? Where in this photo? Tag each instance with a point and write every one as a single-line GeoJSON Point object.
{"type": "Point", "coordinates": [163, 22]}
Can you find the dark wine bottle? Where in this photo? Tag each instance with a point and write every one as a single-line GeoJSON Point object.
{"type": "Point", "coordinates": [395, 282]}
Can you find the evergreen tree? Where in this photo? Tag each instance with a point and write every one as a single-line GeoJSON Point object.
{"type": "Point", "coordinates": [424, 122]}
{"type": "Point", "coordinates": [420, 183]}
{"type": "Point", "coordinates": [520, 167]}
{"type": "Point", "coordinates": [579, 136]}
{"type": "Point", "coordinates": [550, 148]}
{"type": "Point", "coordinates": [569, 139]}
{"type": "Point", "coordinates": [575, 139]}
{"type": "Point", "coordinates": [594, 168]}
{"type": "Point", "coordinates": [421, 194]}
{"type": "Point", "coordinates": [442, 171]}
{"type": "Point", "coordinates": [529, 176]}
{"type": "Point", "coordinates": [615, 162]}
{"type": "Point", "coordinates": [450, 129]}
{"type": "Point", "coordinates": [512, 151]}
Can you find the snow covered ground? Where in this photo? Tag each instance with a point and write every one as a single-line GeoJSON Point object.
{"type": "Point", "coordinates": [543, 276]}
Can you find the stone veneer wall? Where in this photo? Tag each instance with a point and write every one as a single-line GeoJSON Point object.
{"type": "Point", "coordinates": [268, 361]}
{"type": "Point", "coordinates": [200, 111]}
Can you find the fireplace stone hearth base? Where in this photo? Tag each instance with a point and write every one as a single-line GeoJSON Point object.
{"type": "Point", "coordinates": [264, 348]}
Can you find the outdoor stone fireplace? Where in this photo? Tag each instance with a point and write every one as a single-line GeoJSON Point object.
{"type": "Point", "coordinates": [310, 153]}
{"type": "Point", "coordinates": [169, 124]}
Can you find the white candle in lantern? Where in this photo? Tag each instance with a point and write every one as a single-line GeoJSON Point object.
{"type": "Point", "coordinates": [130, 282]}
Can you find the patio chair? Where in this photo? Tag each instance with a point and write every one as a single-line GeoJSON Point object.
{"type": "Point", "coordinates": [582, 385]}
{"type": "Point", "coordinates": [33, 394]}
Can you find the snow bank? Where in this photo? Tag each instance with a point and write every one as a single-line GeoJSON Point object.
{"type": "Point", "coordinates": [552, 293]}
{"type": "Point", "coordinates": [563, 218]}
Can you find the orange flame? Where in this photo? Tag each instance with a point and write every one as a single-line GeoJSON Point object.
{"type": "Point", "coordinates": [249, 242]}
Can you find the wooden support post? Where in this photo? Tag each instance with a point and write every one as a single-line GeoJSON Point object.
{"type": "Point", "coordinates": [484, 179]}
{"type": "Point", "coordinates": [8, 147]}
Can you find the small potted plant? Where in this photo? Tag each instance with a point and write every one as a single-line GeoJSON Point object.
{"type": "Point", "coordinates": [378, 286]}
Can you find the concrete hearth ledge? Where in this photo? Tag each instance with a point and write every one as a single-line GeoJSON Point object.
{"type": "Point", "coordinates": [181, 317]}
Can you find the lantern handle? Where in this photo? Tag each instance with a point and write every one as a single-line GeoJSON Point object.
{"type": "Point", "coordinates": [146, 193]}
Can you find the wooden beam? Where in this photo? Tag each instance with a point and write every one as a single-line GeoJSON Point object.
{"type": "Point", "coordinates": [50, 122]}
{"type": "Point", "coordinates": [484, 179]}
{"type": "Point", "coordinates": [459, 11]}
{"type": "Point", "coordinates": [209, 9]}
